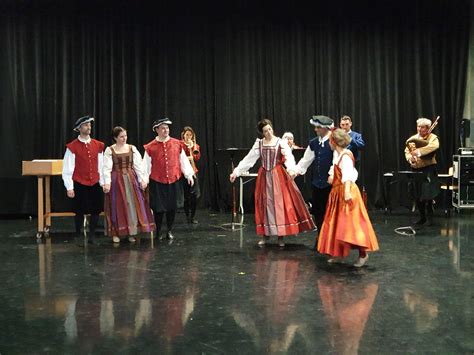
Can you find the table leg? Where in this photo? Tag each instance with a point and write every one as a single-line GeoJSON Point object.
{"type": "Point", "coordinates": [48, 200]}
{"type": "Point", "coordinates": [40, 205]}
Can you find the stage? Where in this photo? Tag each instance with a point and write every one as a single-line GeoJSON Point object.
{"type": "Point", "coordinates": [213, 291]}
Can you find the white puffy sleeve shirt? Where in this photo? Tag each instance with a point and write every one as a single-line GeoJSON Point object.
{"type": "Point", "coordinates": [249, 160]}
{"type": "Point", "coordinates": [345, 163]}
{"type": "Point", "coordinates": [288, 154]}
{"type": "Point", "coordinates": [69, 164]}
{"type": "Point", "coordinates": [138, 165]}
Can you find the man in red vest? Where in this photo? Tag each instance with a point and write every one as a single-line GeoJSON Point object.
{"type": "Point", "coordinates": [165, 162]}
{"type": "Point", "coordinates": [82, 173]}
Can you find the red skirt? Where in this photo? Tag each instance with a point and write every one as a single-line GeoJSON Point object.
{"type": "Point", "coordinates": [279, 207]}
{"type": "Point", "coordinates": [346, 226]}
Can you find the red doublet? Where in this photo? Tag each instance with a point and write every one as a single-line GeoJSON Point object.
{"type": "Point", "coordinates": [165, 166]}
{"type": "Point", "coordinates": [196, 154]}
{"type": "Point", "coordinates": [86, 165]}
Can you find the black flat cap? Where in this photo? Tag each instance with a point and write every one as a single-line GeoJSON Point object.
{"type": "Point", "coordinates": [322, 121]}
{"type": "Point", "coordinates": [161, 121]}
{"type": "Point", "coordinates": [81, 120]}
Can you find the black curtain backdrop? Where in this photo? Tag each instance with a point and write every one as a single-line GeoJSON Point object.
{"type": "Point", "coordinates": [220, 68]}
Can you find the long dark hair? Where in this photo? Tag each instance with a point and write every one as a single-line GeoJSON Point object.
{"type": "Point", "coordinates": [188, 128]}
{"type": "Point", "coordinates": [262, 123]}
{"type": "Point", "coordinates": [116, 131]}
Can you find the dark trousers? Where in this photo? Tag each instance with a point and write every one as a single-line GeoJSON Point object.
{"type": "Point", "coordinates": [320, 200]}
{"type": "Point", "coordinates": [425, 208]}
{"type": "Point", "coordinates": [190, 204]}
{"type": "Point", "coordinates": [79, 221]}
{"type": "Point", "coordinates": [87, 200]}
{"type": "Point", "coordinates": [191, 195]}
{"type": "Point", "coordinates": [170, 216]}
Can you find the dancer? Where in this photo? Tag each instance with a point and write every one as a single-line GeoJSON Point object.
{"type": "Point", "coordinates": [346, 223]}
{"type": "Point", "coordinates": [279, 207]}
{"type": "Point", "coordinates": [127, 212]}
{"type": "Point", "coordinates": [191, 193]}
{"type": "Point", "coordinates": [82, 175]}
{"type": "Point", "coordinates": [165, 163]}
{"type": "Point", "coordinates": [420, 153]}
{"type": "Point", "coordinates": [320, 152]}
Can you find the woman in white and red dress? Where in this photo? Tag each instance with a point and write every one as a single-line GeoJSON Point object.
{"type": "Point", "coordinates": [346, 223]}
{"type": "Point", "coordinates": [279, 207]}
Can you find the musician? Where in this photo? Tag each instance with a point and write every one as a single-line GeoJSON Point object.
{"type": "Point", "coordinates": [191, 193]}
{"type": "Point", "coordinates": [82, 174]}
{"type": "Point", "coordinates": [165, 163]}
{"type": "Point", "coordinates": [357, 142]}
{"type": "Point", "coordinates": [420, 153]}
{"type": "Point", "coordinates": [291, 140]}
{"type": "Point", "coordinates": [320, 152]}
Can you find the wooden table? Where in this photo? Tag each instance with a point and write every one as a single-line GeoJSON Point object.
{"type": "Point", "coordinates": [43, 170]}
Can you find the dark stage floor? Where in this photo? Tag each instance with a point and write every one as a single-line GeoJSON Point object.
{"type": "Point", "coordinates": [214, 291]}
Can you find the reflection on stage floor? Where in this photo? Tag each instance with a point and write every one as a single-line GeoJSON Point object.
{"type": "Point", "coordinates": [214, 291]}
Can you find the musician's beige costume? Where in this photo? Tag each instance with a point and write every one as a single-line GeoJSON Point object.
{"type": "Point", "coordinates": [425, 186]}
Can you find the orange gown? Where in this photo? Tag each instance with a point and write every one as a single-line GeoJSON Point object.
{"type": "Point", "coordinates": [346, 226]}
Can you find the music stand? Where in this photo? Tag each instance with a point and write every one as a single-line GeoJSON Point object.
{"type": "Point", "coordinates": [409, 174]}
{"type": "Point", "coordinates": [389, 180]}
{"type": "Point", "coordinates": [233, 224]}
